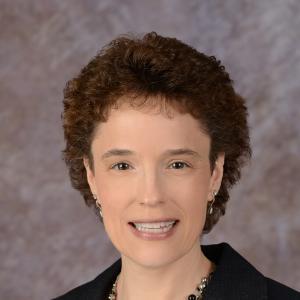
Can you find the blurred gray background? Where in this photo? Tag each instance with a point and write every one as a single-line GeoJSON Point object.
{"type": "Point", "coordinates": [50, 241]}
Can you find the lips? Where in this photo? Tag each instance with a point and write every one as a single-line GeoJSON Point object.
{"type": "Point", "coordinates": [148, 222]}
{"type": "Point", "coordinates": [152, 230]}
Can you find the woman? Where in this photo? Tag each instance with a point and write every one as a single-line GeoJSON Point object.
{"type": "Point", "coordinates": [155, 138]}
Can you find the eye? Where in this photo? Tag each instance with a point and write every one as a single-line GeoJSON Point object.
{"type": "Point", "coordinates": [122, 164]}
{"type": "Point", "coordinates": [179, 163]}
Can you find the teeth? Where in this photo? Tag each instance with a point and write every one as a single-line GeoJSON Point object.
{"type": "Point", "coordinates": [154, 227]}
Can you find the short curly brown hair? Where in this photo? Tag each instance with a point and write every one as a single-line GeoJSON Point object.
{"type": "Point", "coordinates": [153, 65]}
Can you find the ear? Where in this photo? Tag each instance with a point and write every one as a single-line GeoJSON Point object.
{"type": "Point", "coordinates": [217, 174]}
{"type": "Point", "coordinates": [90, 176]}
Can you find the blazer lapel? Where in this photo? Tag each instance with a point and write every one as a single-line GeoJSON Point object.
{"type": "Point", "coordinates": [103, 282]}
{"type": "Point", "coordinates": [235, 277]}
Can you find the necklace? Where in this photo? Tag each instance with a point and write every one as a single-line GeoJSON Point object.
{"type": "Point", "coordinates": [197, 295]}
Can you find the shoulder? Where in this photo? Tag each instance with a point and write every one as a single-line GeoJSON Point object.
{"type": "Point", "coordinates": [84, 291]}
{"type": "Point", "coordinates": [236, 278]}
{"type": "Point", "coordinates": [98, 288]}
{"type": "Point", "coordinates": [279, 291]}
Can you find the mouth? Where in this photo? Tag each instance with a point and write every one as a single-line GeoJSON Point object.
{"type": "Point", "coordinates": [157, 226]}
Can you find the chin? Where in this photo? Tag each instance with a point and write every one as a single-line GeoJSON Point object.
{"type": "Point", "coordinates": [153, 257]}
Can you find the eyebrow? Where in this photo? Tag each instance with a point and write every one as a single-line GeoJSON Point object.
{"type": "Point", "coordinates": [169, 152]}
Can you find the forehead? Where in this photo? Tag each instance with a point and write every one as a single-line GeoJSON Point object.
{"type": "Point", "coordinates": [149, 129]}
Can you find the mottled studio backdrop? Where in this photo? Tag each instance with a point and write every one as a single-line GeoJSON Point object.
{"type": "Point", "coordinates": [49, 240]}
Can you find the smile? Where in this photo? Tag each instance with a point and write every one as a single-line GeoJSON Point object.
{"type": "Point", "coordinates": [153, 230]}
{"type": "Point", "coordinates": [154, 227]}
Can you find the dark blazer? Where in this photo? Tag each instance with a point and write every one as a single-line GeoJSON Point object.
{"type": "Point", "coordinates": [234, 279]}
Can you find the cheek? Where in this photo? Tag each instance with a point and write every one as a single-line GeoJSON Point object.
{"type": "Point", "coordinates": [113, 221]}
{"type": "Point", "coordinates": [193, 200]}
{"type": "Point", "coordinates": [196, 213]}
{"type": "Point", "coordinates": [113, 205]}
{"type": "Point", "coordinates": [111, 191]}
{"type": "Point", "coordinates": [194, 206]}
{"type": "Point", "coordinates": [193, 191]}
{"type": "Point", "coordinates": [114, 201]}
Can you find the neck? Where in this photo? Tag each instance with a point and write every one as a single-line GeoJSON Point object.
{"type": "Point", "coordinates": [175, 280]}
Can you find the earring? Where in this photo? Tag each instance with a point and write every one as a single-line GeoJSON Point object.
{"type": "Point", "coordinates": [98, 205]}
{"type": "Point", "coordinates": [211, 209]}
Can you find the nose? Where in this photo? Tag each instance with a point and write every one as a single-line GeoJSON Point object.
{"type": "Point", "coordinates": [150, 187]}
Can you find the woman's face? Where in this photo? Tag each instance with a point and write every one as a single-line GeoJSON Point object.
{"type": "Point", "coordinates": [148, 183]}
